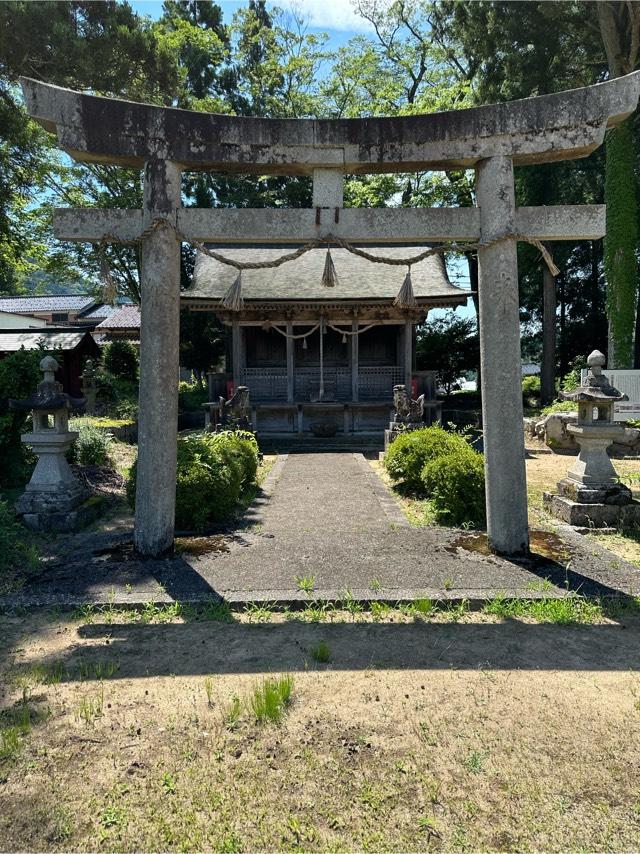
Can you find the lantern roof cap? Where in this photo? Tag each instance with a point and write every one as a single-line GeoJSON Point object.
{"type": "Point", "coordinates": [596, 387]}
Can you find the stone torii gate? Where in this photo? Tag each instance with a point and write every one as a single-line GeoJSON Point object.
{"type": "Point", "coordinates": [491, 139]}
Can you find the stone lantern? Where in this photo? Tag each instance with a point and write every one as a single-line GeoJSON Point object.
{"type": "Point", "coordinates": [591, 494]}
{"type": "Point", "coordinates": [53, 496]}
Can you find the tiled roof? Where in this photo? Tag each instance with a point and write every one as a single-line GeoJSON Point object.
{"type": "Point", "coordinates": [32, 339]}
{"type": "Point", "coordinates": [98, 312]}
{"type": "Point", "coordinates": [358, 279]}
{"type": "Point", "coordinates": [127, 317]}
{"type": "Point", "coordinates": [19, 305]}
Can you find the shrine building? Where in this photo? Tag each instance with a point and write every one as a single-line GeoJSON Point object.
{"type": "Point", "coordinates": [320, 359]}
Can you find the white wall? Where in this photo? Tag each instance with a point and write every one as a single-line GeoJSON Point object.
{"type": "Point", "coordinates": [8, 320]}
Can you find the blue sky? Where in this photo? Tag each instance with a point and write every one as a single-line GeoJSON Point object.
{"type": "Point", "coordinates": [337, 18]}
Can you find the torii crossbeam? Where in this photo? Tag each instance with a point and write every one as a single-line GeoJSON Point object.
{"type": "Point", "coordinates": [492, 139]}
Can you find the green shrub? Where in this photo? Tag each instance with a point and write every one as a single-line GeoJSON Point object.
{"type": "Point", "coordinates": [120, 358]}
{"type": "Point", "coordinates": [19, 376]}
{"type": "Point", "coordinates": [530, 388]}
{"type": "Point", "coordinates": [454, 483]}
{"type": "Point", "coordinates": [573, 379]}
{"type": "Point", "coordinates": [560, 406]}
{"type": "Point", "coordinates": [191, 396]}
{"type": "Point", "coordinates": [212, 471]}
{"type": "Point", "coordinates": [407, 455]}
{"type": "Point", "coordinates": [17, 555]}
{"type": "Point", "coordinates": [239, 448]}
{"type": "Point", "coordinates": [92, 447]}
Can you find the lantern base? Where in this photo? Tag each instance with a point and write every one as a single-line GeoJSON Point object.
{"type": "Point", "coordinates": [596, 515]}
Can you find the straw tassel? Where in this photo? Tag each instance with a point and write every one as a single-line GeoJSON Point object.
{"type": "Point", "coordinates": [329, 275]}
{"type": "Point", "coordinates": [406, 298]}
{"type": "Point", "coordinates": [233, 298]}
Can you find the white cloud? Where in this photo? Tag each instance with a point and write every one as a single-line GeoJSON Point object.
{"type": "Point", "coordinates": [329, 14]}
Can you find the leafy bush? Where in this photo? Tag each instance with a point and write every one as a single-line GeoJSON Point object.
{"type": "Point", "coordinates": [454, 483]}
{"type": "Point", "coordinates": [530, 388]}
{"type": "Point", "coordinates": [92, 446]}
{"type": "Point", "coordinates": [408, 454]}
{"type": "Point", "coordinates": [240, 450]}
{"type": "Point", "coordinates": [17, 555]}
{"type": "Point", "coordinates": [19, 376]}
{"type": "Point", "coordinates": [212, 472]}
{"type": "Point", "coordinates": [119, 395]}
{"type": "Point", "coordinates": [560, 406]}
{"type": "Point", "coordinates": [191, 396]}
{"type": "Point", "coordinates": [121, 360]}
{"type": "Point", "coordinates": [573, 379]}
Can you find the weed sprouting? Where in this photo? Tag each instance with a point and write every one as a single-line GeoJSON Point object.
{"type": "Point", "coordinates": [208, 687]}
{"type": "Point", "coordinates": [306, 583]}
{"type": "Point", "coordinates": [321, 652]}
{"type": "Point", "coordinates": [474, 762]}
{"type": "Point", "coordinates": [380, 610]}
{"type": "Point", "coordinates": [10, 742]}
{"type": "Point", "coordinates": [169, 783]}
{"type": "Point", "coordinates": [97, 669]}
{"type": "Point", "coordinates": [232, 713]}
{"type": "Point", "coordinates": [270, 700]}
{"type": "Point", "coordinates": [258, 613]}
{"type": "Point", "coordinates": [91, 708]}
{"type": "Point", "coordinates": [375, 585]}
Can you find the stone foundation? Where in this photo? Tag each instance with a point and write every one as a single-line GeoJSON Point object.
{"type": "Point", "coordinates": [68, 511]}
{"type": "Point", "coordinates": [592, 515]}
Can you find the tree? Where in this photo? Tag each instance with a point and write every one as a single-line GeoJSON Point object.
{"type": "Point", "coordinates": [448, 346]}
{"type": "Point", "coordinates": [620, 29]}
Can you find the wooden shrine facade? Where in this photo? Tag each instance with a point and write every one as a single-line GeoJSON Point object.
{"type": "Point", "coordinates": [315, 355]}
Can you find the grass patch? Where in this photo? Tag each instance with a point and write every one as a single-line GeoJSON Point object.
{"type": "Point", "coordinates": [321, 652]}
{"type": "Point", "coordinates": [270, 700]}
{"type": "Point", "coordinates": [565, 611]}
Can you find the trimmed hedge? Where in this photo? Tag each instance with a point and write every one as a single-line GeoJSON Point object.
{"type": "Point", "coordinates": [408, 454]}
{"type": "Point", "coordinates": [454, 483]}
{"type": "Point", "coordinates": [213, 472]}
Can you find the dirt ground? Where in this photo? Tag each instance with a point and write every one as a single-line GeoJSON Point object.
{"type": "Point", "coordinates": [428, 734]}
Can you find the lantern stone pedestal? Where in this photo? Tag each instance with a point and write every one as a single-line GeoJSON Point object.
{"type": "Point", "coordinates": [591, 495]}
{"type": "Point", "coordinates": [53, 500]}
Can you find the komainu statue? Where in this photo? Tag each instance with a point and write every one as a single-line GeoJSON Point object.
{"type": "Point", "coordinates": [407, 411]}
{"type": "Point", "coordinates": [235, 413]}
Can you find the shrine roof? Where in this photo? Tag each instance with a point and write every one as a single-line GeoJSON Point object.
{"type": "Point", "coordinates": [301, 280]}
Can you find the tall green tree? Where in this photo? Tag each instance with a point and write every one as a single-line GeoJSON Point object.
{"type": "Point", "coordinates": [620, 30]}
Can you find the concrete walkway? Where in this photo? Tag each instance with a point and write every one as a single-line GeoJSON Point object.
{"type": "Point", "coordinates": [327, 518]}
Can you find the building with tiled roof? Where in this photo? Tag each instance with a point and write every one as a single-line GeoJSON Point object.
{"type": "Point", "coordinates": [124, 322]}
{"type": "Point", "coordinates": [50, 308]}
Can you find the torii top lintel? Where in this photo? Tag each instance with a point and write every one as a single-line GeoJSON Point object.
{"type": "Point", "coordinates": [560, 126]}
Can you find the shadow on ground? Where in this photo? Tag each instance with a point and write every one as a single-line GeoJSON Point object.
{"type": "Point", "coordinates": [188, 649]}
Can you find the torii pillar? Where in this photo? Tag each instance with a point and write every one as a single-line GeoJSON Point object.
{"type": "Point", "coordinates": [159, 362]}
{"type": "Point", "coordinates": [500, 360]}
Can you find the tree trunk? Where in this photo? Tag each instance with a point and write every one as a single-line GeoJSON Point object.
{"type": "Point", "coordinates": [548, 368]}
{"type": "Point", "coordinates": [619, 22]}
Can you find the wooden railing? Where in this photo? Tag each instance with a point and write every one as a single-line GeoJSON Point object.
{"type": "Point", "coordinates": [374, 383]}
